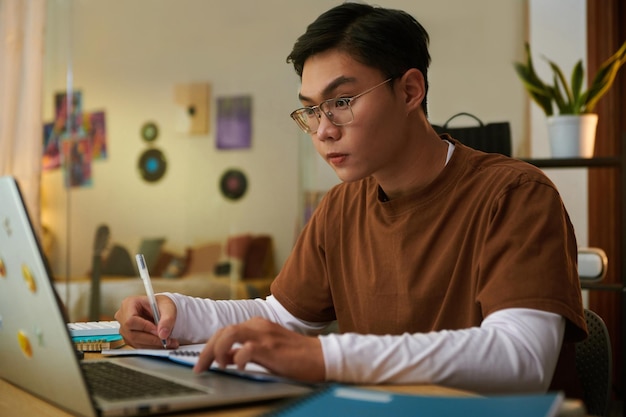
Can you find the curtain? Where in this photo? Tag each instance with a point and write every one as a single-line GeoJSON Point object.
{"type": "Point", "coordinates": [21, 77]}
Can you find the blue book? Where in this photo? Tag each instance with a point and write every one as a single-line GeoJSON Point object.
{"type": "Point", "coordinates": [341, 400]}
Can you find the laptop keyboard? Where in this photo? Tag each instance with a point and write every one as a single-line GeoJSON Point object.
{"type": "Point", "coordinates": [114, 382]}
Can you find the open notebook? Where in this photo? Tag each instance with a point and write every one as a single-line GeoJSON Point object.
{"type": "Point", "coordinates": [188, 355]}
{"type": "Point", "coordinates": [36, 348]}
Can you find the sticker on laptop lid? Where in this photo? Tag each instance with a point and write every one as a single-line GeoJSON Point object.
{"type": "Point", "coordinates": [24, 342]}
{"type": "Point", "coordinates": [28, 277]}
{"type": "Point", "coordinates": [3, 269]}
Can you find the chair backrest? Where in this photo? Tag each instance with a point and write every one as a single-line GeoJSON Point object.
{"type": "Point", "coordinates": [593, 364]}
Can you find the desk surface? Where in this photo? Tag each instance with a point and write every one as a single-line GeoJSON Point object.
{"type": "Point", "coordinates": [16, 402]}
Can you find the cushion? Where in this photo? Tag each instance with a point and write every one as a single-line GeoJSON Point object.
{"type": "Point", "coordinates": [202, 259]}
{"type": "Point", "coordinates": [118, 262]}
{"type": "Point", "coordinates": [237, 246]}
{"type": "Point", "coordinates": [151, 249]}
{"type": "Point", "coordinates": [175, 268]}
{"type": "Point", "coordinates": [259, 261]}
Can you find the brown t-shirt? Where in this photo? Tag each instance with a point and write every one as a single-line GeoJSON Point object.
{"type": "Point", "coordinates": [489, 233]}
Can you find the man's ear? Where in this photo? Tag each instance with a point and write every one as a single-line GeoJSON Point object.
{"type": "Point", "coordinates": [413, 88]}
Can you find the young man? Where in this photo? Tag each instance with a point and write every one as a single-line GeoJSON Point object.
{"type": "Point", "coordinates": [440, 264]}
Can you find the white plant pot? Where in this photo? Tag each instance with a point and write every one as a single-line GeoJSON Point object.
{"type": "Point", "coordinates": [572, 136]}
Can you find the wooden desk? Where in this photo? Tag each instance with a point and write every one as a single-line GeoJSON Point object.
{"type": "Point", "coordinates": [16, 402]}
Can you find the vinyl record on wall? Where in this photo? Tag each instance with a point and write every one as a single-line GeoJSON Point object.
{"type": "Point", "coordinates": [152, 165]}
{"type": "Point", "coordinates": [233, 184]}
{"type": "Point", "coordinates": [149, 131]}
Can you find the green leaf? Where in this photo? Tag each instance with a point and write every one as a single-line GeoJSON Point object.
{"type": "Point", "coordinates": [570, 98]}
{"type": "Point", "coordinates": [558, 98]}
{"type": "Point", "coordinates": [604, 78]}
{"type": "Point", "coordinates": [559, 77]}
{"type": "Point", "coordinates": [539, 92]}
{"type": "Point", "coordinates": [577, 82]}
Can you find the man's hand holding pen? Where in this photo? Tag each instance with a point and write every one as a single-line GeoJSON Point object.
{"type": "Point", "coordinates": [137, 325]}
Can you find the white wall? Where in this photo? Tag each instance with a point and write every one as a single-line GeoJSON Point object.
{"type": "Point", "coordinates": [558, 30]}
{"type": "Point", "coordinates": [127, 56]}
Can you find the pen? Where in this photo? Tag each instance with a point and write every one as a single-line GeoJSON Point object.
{"type": "Point", "coordinates": [145, 277]}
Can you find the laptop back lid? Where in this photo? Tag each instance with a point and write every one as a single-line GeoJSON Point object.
{"type": "Point", "coordinates": [36, 352]}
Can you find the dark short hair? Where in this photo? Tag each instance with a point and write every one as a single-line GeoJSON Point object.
{"type": "Point", "coordinates": [390, 40]}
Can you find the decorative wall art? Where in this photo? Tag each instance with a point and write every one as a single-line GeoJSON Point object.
{"type": "Point", "coordinates": [193, 115]}
{"type": "Point", "coordinates": [152, 163]}
{"type": "Point", "coordinates": [74, 139]}
{"type": "Point", "coordinates": [95, 128]}
{"type": "Point", "coordinates": [149, 131]}
{"type": "Point", "coordinates": [234, 122]}
{"type": "Point", "coordinates": [233, 184]}
{"type": "Point", "coordinates": [76, 157]}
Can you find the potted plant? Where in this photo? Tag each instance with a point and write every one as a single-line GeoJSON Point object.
{"type": "Point", "coordinates": [575, 118]}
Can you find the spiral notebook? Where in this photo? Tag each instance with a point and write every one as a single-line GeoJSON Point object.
{"type": "Point", "coordinates": [188, 355]}
{"type": "Point", "coordinates": [341, 400]}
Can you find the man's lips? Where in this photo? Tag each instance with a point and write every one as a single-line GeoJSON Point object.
{"type": "Point", "coordinates": [336, 158]}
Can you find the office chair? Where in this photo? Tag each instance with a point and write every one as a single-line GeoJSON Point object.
{"type": "Point", "coordinates": [593, 364]}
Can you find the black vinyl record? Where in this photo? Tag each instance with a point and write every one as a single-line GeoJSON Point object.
{"type": "Point", "coordinates": [149, 131]}
{"type": "Point", "coordinates": [233, 184]}
{"type": "Point", "coordinates": [152, 165]}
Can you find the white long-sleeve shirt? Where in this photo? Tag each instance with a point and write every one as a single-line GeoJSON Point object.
{"type": "Point", "coordinates": [514, 349]}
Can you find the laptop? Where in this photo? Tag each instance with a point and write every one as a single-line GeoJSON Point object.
{"type": "Point", "coordinates": [37, 354]}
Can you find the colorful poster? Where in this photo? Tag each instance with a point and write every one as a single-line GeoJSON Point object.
{"type": "Point", "coordinates": [95, 129]}
{"type": "Point", "coordinates": [68, 115]}
{"type": "Point", "coordinates": [76, 151]}
{"type": "Point", "coordinates": [51, 151]}
{"type": "Point", "coordinates": [234, 122]}
{"type": "Point", "coordinates": [90, 126]}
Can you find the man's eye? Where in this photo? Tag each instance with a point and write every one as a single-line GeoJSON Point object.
{"type": "Point", "coordinates": [341, 103]}
{"type": "Point", "coordinates": [309, 112]}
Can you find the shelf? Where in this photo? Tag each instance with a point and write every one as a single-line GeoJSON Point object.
{"type": "Point", "coordinates": [613, 162]}
{"type": "Point", "coordinates": [574, 162]}
{"type": "Point", "coordinates": [602, 287]}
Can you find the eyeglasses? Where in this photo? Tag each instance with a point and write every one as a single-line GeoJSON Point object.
{"type": "Point", "coordinates": [337, 110]}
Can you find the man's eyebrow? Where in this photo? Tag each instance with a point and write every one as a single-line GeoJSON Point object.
{"type": "Point", "coordinates": [330, 87]}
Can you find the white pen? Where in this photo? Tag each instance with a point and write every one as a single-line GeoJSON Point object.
{"type": "Point", "coordinates": [145, 277]}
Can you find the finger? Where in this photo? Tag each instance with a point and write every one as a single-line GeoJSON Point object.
{"type": "Point", "coordinates": [139, 332]}
{"type": "Point", "coordinates": [206, 357]}
{"type": "Point", "coordinates": [248, 334]}
{"type": "Point", "coordinates": [243, 355]}
{"type": "Point", "coordinates": [137, 324]}
{"type": "Point", "coordinates": [167, 313]}
{"type": "Point", "coordinates": [223, 344]}
{"type": "Point", "coordinates": [143, 334]}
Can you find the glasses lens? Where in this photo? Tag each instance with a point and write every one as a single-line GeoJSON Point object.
{"type": "Point", "coordinates": [306, 119]}
{"type": "Point", "coordinates": [338, 111]}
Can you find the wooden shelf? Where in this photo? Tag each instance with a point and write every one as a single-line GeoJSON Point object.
{"type": "Point", "coordinates": [615, 162]}
{"type": "Point", "coordinates": [608, 161]}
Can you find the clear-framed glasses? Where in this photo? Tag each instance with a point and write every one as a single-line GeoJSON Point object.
{"type": "Point", "coordinates": [337, 110]}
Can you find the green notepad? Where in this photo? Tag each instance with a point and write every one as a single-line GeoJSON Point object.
{"type": "Point", "coordinates": [340, 400]}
